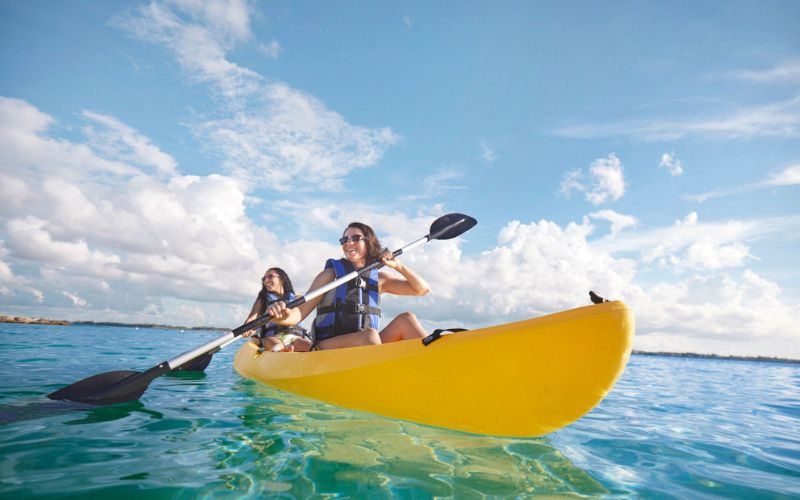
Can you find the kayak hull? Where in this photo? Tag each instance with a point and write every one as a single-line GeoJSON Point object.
{"type": "Point", "coordinates": [526, 378]}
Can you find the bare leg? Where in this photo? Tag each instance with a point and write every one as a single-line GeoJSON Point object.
{"type": "Point", "coordinates": [299, 345]}
{"type": "Point", "coordinates": [367, 337]}
{"type": "Point", "coordinates": [404, 327]}
{"type": "Point", "coordinates": [269, 343]}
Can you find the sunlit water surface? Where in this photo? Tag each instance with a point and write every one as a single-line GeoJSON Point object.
{"type": "Point", "coordinates": [671, 428]}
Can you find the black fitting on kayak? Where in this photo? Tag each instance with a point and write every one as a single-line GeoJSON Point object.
{"type": "Point", "coordinates": [438, 333]}
{"type": "Point", "coordinates": [596, 299]}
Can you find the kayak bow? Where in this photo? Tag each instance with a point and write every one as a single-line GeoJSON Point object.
{"type": "Point", "coordinates": [526, 378]}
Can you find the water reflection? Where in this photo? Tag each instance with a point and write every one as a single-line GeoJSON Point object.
{"type": "Point", "coordinates": [353, 453]}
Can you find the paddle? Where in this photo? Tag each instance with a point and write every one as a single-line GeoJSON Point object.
{"type": "Point", "coordinates": [129, 385]}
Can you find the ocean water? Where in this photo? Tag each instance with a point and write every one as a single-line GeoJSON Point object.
{"type": "Point", "coordinates": [671, 428]}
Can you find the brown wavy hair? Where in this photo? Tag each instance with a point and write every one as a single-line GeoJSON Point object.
{"type": "Point", "coordinates": [374, 247]}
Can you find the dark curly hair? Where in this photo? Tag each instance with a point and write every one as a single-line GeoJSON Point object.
{"type": "Point", "coordinates": [287, 288]}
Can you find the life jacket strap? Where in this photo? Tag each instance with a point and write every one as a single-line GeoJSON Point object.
{"type": "Point", "coordinates": [349, 308]}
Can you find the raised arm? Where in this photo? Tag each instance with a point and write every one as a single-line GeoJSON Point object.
{"type": "Point", "coordinates": [413, 284]}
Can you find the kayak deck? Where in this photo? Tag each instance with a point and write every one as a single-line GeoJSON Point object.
{"type": "Point", "coordinates": [526, 378]}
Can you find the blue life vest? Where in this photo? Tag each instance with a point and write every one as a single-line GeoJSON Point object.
{"type": "Point", "coordinates": [351, 307]}
{"type": "Point", "coordinates": [271, 329]}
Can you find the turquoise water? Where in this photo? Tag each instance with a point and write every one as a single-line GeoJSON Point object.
{"type": "Point", "coordinates": [671, 428]}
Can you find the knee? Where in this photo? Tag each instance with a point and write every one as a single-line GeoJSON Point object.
{"type": "Point", "coordinates": [407, 316]}
{"type": "Point", "coordinates": [371, 336]}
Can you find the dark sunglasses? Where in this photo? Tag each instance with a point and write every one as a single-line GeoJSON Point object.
{"type": "Point", "coordinates": [268, 276]}
{"type": "Point", "coordinates": [355, 239]}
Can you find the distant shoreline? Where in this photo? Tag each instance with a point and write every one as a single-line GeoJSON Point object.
{"type": "Point", "coordinates": [718, 356]}
{"type": "Point", "coordinates": [5, 318]}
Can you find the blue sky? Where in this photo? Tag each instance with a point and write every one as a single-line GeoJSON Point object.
{"type": "Point", "coordinates": [156, 157]}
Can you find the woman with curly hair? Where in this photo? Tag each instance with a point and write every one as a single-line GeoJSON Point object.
{"type": "Point", "coordinates": [276, 286]}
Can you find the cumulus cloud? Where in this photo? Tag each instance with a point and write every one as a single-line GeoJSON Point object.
{"type": "Point", "coordinates": [128, 239]}
{"type": "Point", "coordinates": [672, 164]}
{"type": "Point", "coordinates": [30, 239]}
{"type": "Point", "coordinates": [26, 146]}
{"type": "Point", "coordinates": [691, 245]}
{"type": "Point", "coordinates": [605, 181]}
{"type": "Point", "coordinates": [542, 267]}
{"type": "Point", "coordinates": [268, 133]}
{"type": "Point", "coordinates": [719, 313]}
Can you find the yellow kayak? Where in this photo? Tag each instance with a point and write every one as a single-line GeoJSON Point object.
{"type": "Point", "coordinates": [526, 378]}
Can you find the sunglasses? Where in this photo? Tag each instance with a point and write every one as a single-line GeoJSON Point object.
{"type": "Point", "coordinates": [268, 276]}
{"type": "Point", "coordinates": [355, 238]}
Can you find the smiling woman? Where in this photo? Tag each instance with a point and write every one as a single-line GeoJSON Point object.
{"type": "Point", "coordinates": [275, 286]}
{"type": "Point", "coordinates": [349, 315]}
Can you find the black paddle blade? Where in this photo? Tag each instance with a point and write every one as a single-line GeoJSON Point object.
{"type": "Point", "coordinates": [451, 225]}
{"type": "Point", "coordinates": [110, 387]}
{"type": "Point", "coordinates": [198, 364]}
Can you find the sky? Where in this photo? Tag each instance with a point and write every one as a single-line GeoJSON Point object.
{"type": "Point", "coordinates": [157, 157]}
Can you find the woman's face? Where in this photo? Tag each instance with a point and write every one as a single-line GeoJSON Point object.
{"type": "Point", "coordinates": [354, 251]}
{"type": "Point", "coordinates": [272, 282]}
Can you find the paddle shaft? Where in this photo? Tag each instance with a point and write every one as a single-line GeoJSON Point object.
{"type": "Point", "coordinates": [229, 337]}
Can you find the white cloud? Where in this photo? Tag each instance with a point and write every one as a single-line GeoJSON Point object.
{"type": "Point", "coordinates": [606, 176]}
{"type": "Point", "coordinates": [268, 133]}
{"type": "Point", "coordinates": [272, 49]}
{"type": "Point", "coordinates": [75, 298]}
{"type": "Point", "coordinates": [30, 239]}
{"type": "Point", "coordinates": [120, 142]}
{"type": "Point", "coordinates": [721, 314]}
{"type": "Point", "coordinates": [789, 176]}
{"type": "Point", "coordinates": [487, 153]}
{"type": "Point", "coordinates": [691, 245]}
{"type": "Point", "coordinates": [672, 164]}
{"type": "Point", "coordinates": [289, 137]}
{"type": "Point", "coordinates": [26, 147]}
{"type": "Point", "coordinates": [618, 221]}
{"type": "Point", "coordinates": [435, 185]}
{"type": "Point", "coordinates": [780, 119]}
{"type": "Point", "coordinates": [787, 71]}
{"type": "Point", "coordinates": [120, 241]}
{"type": "Point", "coordinates": [542, 267]}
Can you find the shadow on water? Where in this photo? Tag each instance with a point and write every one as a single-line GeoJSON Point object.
{"type": "Point", "coordinates": [305, 447]}
{"type": "Point", "coordinates": [11, 413]}
{"type": "Point", "coordinates": [93, 413]}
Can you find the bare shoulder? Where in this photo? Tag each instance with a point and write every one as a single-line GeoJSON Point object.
{"type": "Point", "coordinates": [323, 278]}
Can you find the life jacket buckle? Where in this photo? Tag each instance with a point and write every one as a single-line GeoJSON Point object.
{"type": "Point", "coordinates": [359, 308]}
{"type": "Point", "coordinates": [360, 282]}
